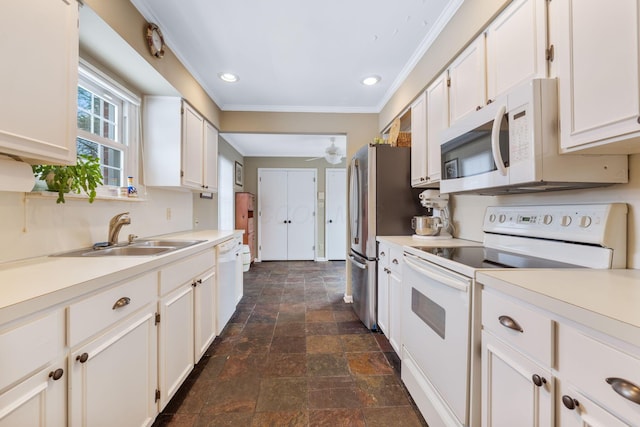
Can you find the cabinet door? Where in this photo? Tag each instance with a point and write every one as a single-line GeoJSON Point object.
{"type": "Point", "coordinates": [205, 319]}
{"type": "Point", "coordinates": [192, 147]}
{"type": "Point", "coordinates": [516, 44]}
{"type": "Point", "coordinates": [114, 378]}
{"type": "Point", "coordinates": [39, 79]}
{"type": "Point", "coordinates": [583, 412]}
{"type": "Point", "coordinates": [510, 396]}
{"type": "Point", "coordinates": [395, 312]}
{"type": "Point", "coordinates": [437, 121]}
{"type": "Point", "coordinates": [597, 70]}
{"type": "Point", "coordinates": [383, 287]}
{"type": "Point", "coordinates": [39, 401]}
{"type": "Point", "coordinates": [419, 142]}
{"type": "Point", "coordinates": [176, 340]}
{"type": "Point", "coordinates": [210, 157]}
{"type": "Point", "coordinates": [467, 92]}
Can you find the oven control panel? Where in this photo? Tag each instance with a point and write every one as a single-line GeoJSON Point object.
{"type": "Point", "coordinates": [594, 223]}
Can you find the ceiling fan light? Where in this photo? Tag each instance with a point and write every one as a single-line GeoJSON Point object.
{"type": "Point", "coordinates": [228, 77]}
{"type": "Point", "coordinates": [333, 158]}
{"type": "Point", "coordinates": [371, 80]}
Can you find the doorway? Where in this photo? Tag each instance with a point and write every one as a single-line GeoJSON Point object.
{"type": "Point", "coordinates": [287, 214]}
{"type": "Point", "coordinates": [336, 214]}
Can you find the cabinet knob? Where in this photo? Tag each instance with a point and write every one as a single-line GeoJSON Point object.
{"type": "Point", "coordinates": [538, 380]}
{"type": "Point", "coordinates": [625, 388]}
{"type": "Point", "coordinates": [508, 322]}
{"type": "Point", "coordinates": [395, 261]}
{"type": "Point", "coordinates": [121, 303]}
{"type": "Point", "coordinates": [489, 101]}
{"type": "Point", "coordinates": [57, 374]}
{"type": "Point", "coordinates": [569, 402]}
{"type": "Point", "coordinates": [479, 107]}
{"type": "Point", "coordinates": [82, 357]}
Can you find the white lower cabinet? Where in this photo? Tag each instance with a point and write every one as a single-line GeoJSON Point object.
{"type": "Point", "coordinates": [390, 294]}
{"type": "Point", "coordinates": [515, 390]}
{"type": "Point", "coordinates": [176, 340]}
{"type": "Point", "coordinates": [38, 401]}
{"type": "Point", "coordinates": [113, 379]}
{"type": "Point", "coordinates": [187, 319]}
{"type": "Point", "coordinates": [540, 369]}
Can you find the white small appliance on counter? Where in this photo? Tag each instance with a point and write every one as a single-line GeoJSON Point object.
{"type": "Point", "coordinates": [436, 224]}
{"type": "Point", "coordinates": [441, 307]}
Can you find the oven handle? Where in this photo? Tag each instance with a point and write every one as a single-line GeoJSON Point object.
{"type": "Point", "coordinates": [495, 140]}
{"type": "Point", "coordinates": [436, 276]}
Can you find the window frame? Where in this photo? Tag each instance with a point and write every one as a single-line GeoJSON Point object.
{"type": "Point", "coordinates": [127, 130]}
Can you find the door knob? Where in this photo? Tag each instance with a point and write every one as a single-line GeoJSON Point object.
{"type": "Point", "coordinates": [330, 221]}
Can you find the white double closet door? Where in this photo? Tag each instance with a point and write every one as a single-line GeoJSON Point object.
{"type": "Point", "coordinates": [287, 214]}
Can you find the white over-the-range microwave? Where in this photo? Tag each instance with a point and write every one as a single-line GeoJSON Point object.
{"type": "Point", "coordinates": [512, 146]}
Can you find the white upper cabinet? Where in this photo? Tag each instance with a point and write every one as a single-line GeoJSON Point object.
{"type": "Point", "coordinates": [38, 80]}
{"type": "Point", "coordinates": [467, 92]}
{"type": "Point", "coordinates": [437, 121]}
{"type": "Point", "coordinates": [596, 62]}
{"type": "Point", "coordinates": [516, 43]}
{"type": "Point", "coordinates": [419, 176]}
{"type": "Point", "coordinates": [180, 146]}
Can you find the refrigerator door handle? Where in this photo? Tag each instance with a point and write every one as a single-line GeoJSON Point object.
{"type": "Point", "coordinates": [357, 263]}
{"type": "Point", "coordinates": [354, 208]}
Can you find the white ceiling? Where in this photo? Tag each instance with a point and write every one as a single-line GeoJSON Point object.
{"type": "Point", "coordinates": [299, 55]}
{"type": "Point", "coordinates": [284, 145]}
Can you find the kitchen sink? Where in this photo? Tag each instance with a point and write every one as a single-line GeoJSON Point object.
{"type": "Point", "coordinates": [137, 248]}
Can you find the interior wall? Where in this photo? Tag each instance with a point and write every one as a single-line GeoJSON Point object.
{"type": "Point", "coordinates": [468, 210]}
{"type": "Point", "coordinates": [252, 164]}
{"type": "Point", "coordinates": [34, 226]}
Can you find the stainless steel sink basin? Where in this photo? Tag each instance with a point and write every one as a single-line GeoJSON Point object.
{"type": "Point", "coordinates": [165, 243]}
{"type": "Point", "coordinates": [137, 248]}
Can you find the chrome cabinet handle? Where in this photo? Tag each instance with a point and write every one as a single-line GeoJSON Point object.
{"type": "Point", "coordinates": [82, 357]}
{"type": "Point", "coordinates": [57, 374]}
{"type": "Point", "coordinates": [508, 322]}
{"type": "Point", "coordinates": [624, 388]}
{"type": "Point", "coordinates": [121, 303]}
{"type": "Point", "coordinates": [538, 380]}
{"type": "Point", "coordinates": [569, 402]}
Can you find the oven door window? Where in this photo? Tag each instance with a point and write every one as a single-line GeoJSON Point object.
{"type": "Point", "coordinates": [429, 311]}
{"type": "Point", "coordinates": [470, 154]}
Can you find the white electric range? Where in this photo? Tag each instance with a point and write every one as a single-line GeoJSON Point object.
{"type": "Point", "coordinates": [441, 306]}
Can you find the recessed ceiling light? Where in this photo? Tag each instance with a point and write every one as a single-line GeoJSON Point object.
{"type": "Point", "coordinates": [371, 80]}
{"type": "Point", "coordinates": [228, 77]}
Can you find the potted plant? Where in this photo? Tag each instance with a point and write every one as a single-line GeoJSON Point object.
{"type": "Point", "coordinates": [85, 175]}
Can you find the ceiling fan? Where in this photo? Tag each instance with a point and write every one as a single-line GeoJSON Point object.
{"type": "Point", "coordinates": [332, 154]}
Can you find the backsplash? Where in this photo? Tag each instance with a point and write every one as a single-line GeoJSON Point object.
{"type": "Point", "coordinates": [36, 226]}
{"type": "Point", "coordinates": [468, 210]}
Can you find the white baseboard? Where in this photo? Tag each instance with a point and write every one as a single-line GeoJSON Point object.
{"type": "Point", "coordinates": [321, 259]}
{"type": "Point", "coordinates": [348, 299]}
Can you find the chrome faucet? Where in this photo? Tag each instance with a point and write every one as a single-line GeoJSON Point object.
{"type": "Point", "coordinates": [115, 224]}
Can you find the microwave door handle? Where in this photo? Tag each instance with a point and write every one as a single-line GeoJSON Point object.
{"type": "Point", "coordinates": [495, 140]}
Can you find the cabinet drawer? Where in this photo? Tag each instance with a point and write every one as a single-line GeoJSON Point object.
{"type": "Point", "coordinates": [91, 315]}
{"type": "Point", "coordinates": [182, 271]}
{"type": "Point", "coordinates": [587, 364]}
{"type": "Point", "coordinates": [531, 332]}
{"type": "Point", "coordinates": [29, 346]}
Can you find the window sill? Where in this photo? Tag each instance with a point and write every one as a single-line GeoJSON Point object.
{"type": "Point", "coordinates": [81, 197]}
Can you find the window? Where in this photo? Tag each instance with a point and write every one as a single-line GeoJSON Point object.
{"type": "Point", "coordinates": [107, 124]}
{"type": "Point", "coordinates": [226, 219]}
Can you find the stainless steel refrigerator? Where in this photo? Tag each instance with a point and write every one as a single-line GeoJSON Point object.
{"type": "Point", "coordinates": [381, 203]}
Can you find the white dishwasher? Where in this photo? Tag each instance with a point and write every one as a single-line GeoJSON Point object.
{"type": "Point", "coordinates": [227, 254]}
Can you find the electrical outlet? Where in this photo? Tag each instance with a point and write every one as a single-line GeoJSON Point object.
{"type": "Point", "coordinates": [168, 214]}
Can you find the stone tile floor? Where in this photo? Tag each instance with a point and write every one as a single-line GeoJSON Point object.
{"type": "Point", "coordinates": [294, 354]}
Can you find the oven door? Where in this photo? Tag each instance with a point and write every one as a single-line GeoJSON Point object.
{"type": "Point", "coordinates": [436, 329]}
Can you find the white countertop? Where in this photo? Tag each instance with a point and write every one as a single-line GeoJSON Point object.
{"type": "Point", "coordinates": [33, 284]}
{"type": "Point", "coordinates": [436, 243]}
{"type": "Point", "coordinates": [604, 300]}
